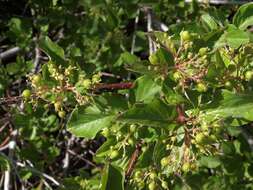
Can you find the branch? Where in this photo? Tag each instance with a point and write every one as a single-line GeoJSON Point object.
{"type": "Point", "coordinates": [7, 173]}
{"type": "Point", "coordinates": [82, 158]}
{"type": "Point", "coordinates": [67, 156]}
{"type": "Point", "coordinates": [32, 169]}
{"type": "Point", "coordinates": [181, 119]}
{"type": "Point", "coordinates": [102, 86]}
{"type": "Point", "coordinates": [10, 100]}
{"type": "Point", "coordinates": [37, 59]}
{"type": "Point", "coordinates": [152, 47]}
{"type": "Point", "coordinates": [133, 160]}
{"type": "Point", "coordinates": [135, 29]}
{"type": "Point", "coordinates": [114, 86]}
{"type": "Point", "coordinates": [9, 53]}
{"type": "Point", "coordinates": [133, 42]}
{"type": "Point", "coordinates": [110, 75]}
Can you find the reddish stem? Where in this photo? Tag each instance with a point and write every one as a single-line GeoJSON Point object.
{"type": "Point", "coordinates": [102, 86]}
{"type": "Point", "coordinates": [181, 119]}
{"type": "Point", "coordinates": [117, 86]}
{"type": "Point", "coordinates": [132, 162]}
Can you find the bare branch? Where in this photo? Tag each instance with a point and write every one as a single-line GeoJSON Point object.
{"type": "Point", "coordinates": [110, 75]}
{"type": "Point", "coordinates": [9, 53]}
{"type": "Point", "coordinates": [67, 156]}
{"type": "Point", "coordinates": [7, 173]}
{"type": "Point", "coordinates": [37, 59]}
{"type": "Point", "coordinates": [114, 86]}
{"type": "Point", "coordinates": [152, 46]}
{"type": "Point", "coordinates": [82, 158]}
{"type": "Point", "coordinates": [32, 169]}
{"type": "Point", "coordinates": [135, 29]}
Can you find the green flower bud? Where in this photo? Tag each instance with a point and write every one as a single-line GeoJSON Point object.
{"type": "Point", "coordinates": [114, 154]}
{"type": "Point", "coordinates": [62, 114]}
{"type": "Point", "coordinates": [185, 36]}
{"type": "Point", "coordinates": [26, 94]}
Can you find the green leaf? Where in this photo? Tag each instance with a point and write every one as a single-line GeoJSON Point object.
{"type": "Point", "coordinates": [233, 165]}
{"type": "Point", "coordinates": [54, 2]}
{"type": "Point", "coordinates": [233, 105]}
{"type": "Point", "coordinates": [104, 149]}
{"type": "Point", "coordinates": [4, 163]}
{"type": "Point", "coordinates": [127, 58]}
{"type": "Point", "coordinates": [165, 41]}
{"type": "Point", "coordinates": [25, 174]}
{"type": "Point", "coordinates": [54, 51]}
{"type": "Point", "coordinates": [228, 148]}
{"type": "Point", "coordinates": [146, 89]}
{"type": "Point", "coordinates": [16, 26]}
{"type": "Point", "coordinates": [224, 58]}
{"type": "Point", "coordinates": [221, 42]}
{"type": "Point", "coordinates": [209, 161]}
{"type": "Point", "coordinates": [156, 114]}
{"type": "Point", "coordinates": [113, 178]}
{"type": "Point", "coordinates": [88, 125]}
{"type": "Point", "coordinates": [233, 37]}
{"type": "Point", "coordinates": [146, 157]}
{"type": "Point", "coordinates": [244, 16]}
{"type": "Point", "coordinates": [159, 152]}
{"type": "Point", "coordinates": [13, 68]}
{"type": "Point", "coordinates": [171, 96]}
{"type": "Point", "coordinates": [236, 38]}
{"type": "Point", "coordinates": [141, 67]}
{"type": "Point", "coordinates": [209, 21]}
{"type": "Point", "coordinates": [20, 31]}
{"type": "Point", "coordinates": [162, 57]}
{"type": "Point", "coordinates": [115, 102]}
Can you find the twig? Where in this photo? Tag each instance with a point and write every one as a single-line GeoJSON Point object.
{"type": "Point", "coordinates": [7, 180]}
{"type": "Point", "coordinates": [135, 29]}
{"type": "Point", "coordinates": [113, 86]}
{"type": "Point", "coordinates": [10, 100]}
{"type": "Point", "coordinates": [9, 53]}
{"type": "Point", "coordinates": [158, 25]}
{"type": "Point", "coordinates": [102, 86]}
{"type": "Point", "coordinates": [133, 160]}
{"type": "Point", "coordinates": [110, 75]}
{"type": "Point", "coordinates": [32, 169]}
{"type": "Point", "coordinates": [4, 125]}
{"type": "Point", "coordinates": [4, 143]}
{"type": "Point", "coordinates": [66, 158]}
{"type": "Point", "coordinates": [46, 184]}
{"type": "Point", "coordinates": [1, 180]}
{"type": "Point", "coordinates": [81, 158]}
{"type": "Point", "coordinates": [91, 152]}
{"type": "Point", "coordinates": [152, 48]}
{"type": "Point", "coordinates": [37, 59]}
{"type": "Point", "coordinates": [7, 176]}
{"type": "Point", "coordinates": [181, 119]}
{"type": "Point", "coordinates": [50, 178]}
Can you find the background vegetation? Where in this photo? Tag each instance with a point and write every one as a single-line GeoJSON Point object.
{"type": "Point", "coordinates": [136, 94]}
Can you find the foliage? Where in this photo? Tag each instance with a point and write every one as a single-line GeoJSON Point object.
{"type": "Point", "coordinates": [177, 119]}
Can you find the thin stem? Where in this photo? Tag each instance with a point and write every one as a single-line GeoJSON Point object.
{"type": "Point", "coordinates": [149, 29]}
{"type": "Point", "coordinates": [114, 86]}
{"type": "Point", "coordinates": [7, 173]}
{"type": "Point", "coordinates": [37, 59]}
{"type": "Point", "coordinates": [135, 29]}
